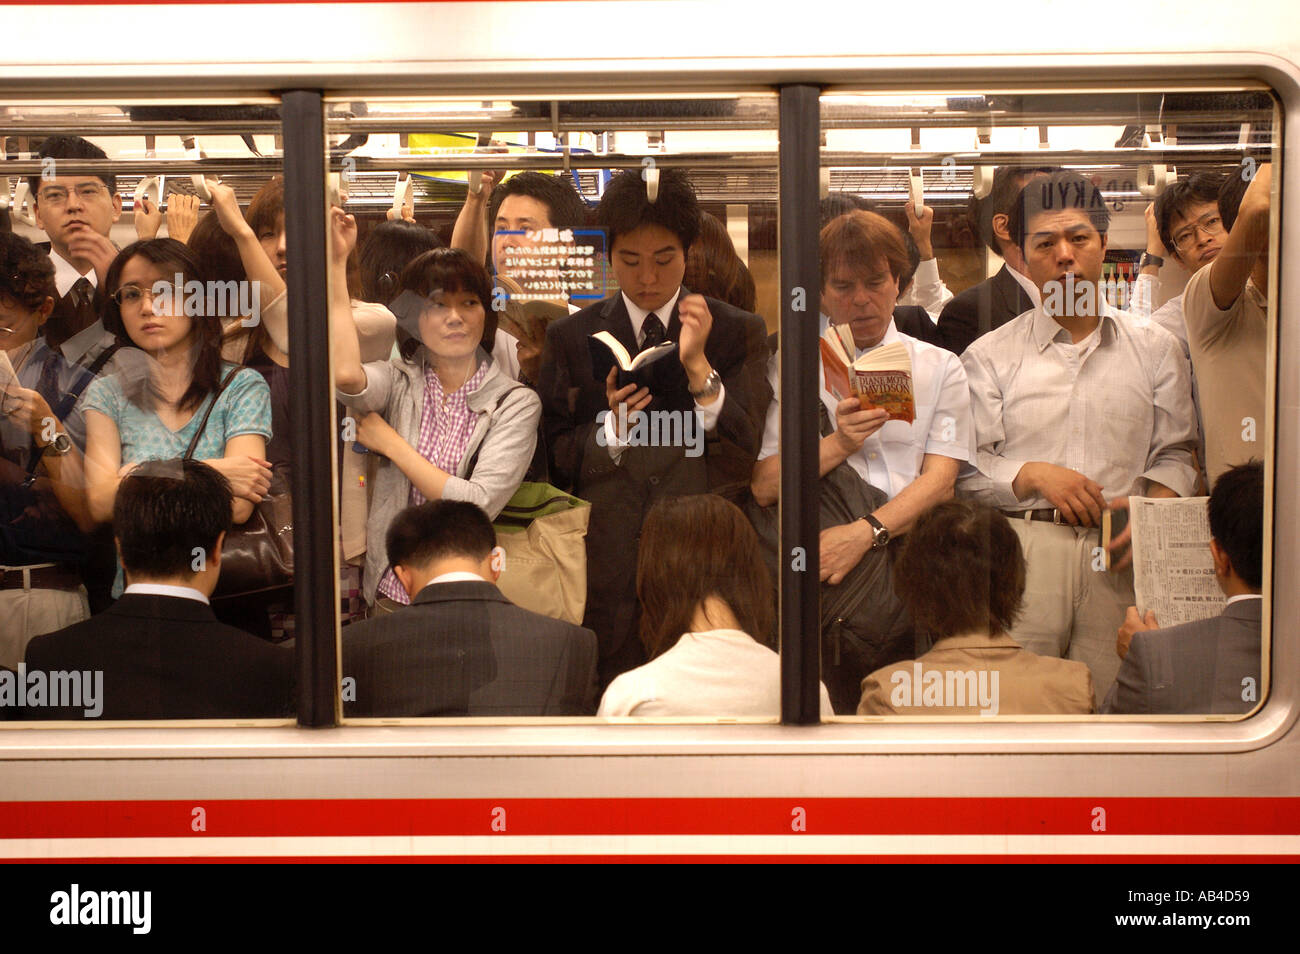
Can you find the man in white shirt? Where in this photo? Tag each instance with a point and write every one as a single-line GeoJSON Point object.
{"type": "Point", "coordinates": [1076, 406]}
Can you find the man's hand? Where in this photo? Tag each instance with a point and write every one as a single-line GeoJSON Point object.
{"type": "Point", "coordinates": [1121, 544]}
{"type": "Point", "coordinates": [1133, 624]}
{"type": "Point", "coordinates": [249, 477]}
{"type": "Point", "coordinates": [842, 548]}
{"type": "Point", "coordinates": [1077, 498]}
{"type": "Point", "coordinates": [85, 244]}
{"type": "Point", "coordinates": [1154, 245]}
{"type": "Point", "coordinates": [148, 219]}
{"type": "Point", "coordinates": [30, 411]}
{"type": "Point", "coordinates": [697, 322]}
{"type": "Point", "coordinates": [183, 214]}
{"type": "Point", "coordinates": [854, 425]}
{"type": "Point", "coordinates": [343, 238]}
{"type": "Point", "coordinates": [920, 227]}
{"type": "Point", "coordinates": [636, 400]}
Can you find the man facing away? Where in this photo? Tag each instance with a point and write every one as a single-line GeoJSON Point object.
{"type": "Point", "coordinates": [461, 648]}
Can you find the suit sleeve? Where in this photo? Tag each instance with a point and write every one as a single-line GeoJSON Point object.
{"type": "Point", "coordinates": [734, 444]}
{"type": "Point", "coordinates": [1131, 693]}
{"type": "Point", "coordinates": [565, 435]}
{"type": "Point", "coordinates": [957, 324]}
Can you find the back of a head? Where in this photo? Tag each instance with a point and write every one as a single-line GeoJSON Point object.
{"type": "Point", "coordinates": [841, 203]}
{"type": "Point", "coordinates": [962, 570]}
{"type": "Point", "coordinates": [166, 514]}
{"type": "Point", "coordinates": [1177, 199]}
{"type": "Point", "coordinates": [266, 207]}
{"type": "Point", "coordinates": [693, 548]}
{"type": "Point", "coordinates": [387, 249]}
{"type": "Point", "coordinates": [1237, 520]}
{"type": "Point", "coordinates": [1008, 181]}
{"type": "Point", "coordinates": [1230, 195]}
{"type": "Point", "coordinates": [857, 241]}
{"type": "Point", "coordinates": [1059, 192]}
{"type": "Point", "coordinates": [714, 269]}
{"type": "Point", "coordinates": [26, 273]}
{"type": "Point", "coordinates": [216, 250]}
{"type": "Point", "coordinates": [433, 272]}
{"type": "Point", "coordinates": [70, 147]}
{"type": "Point", "coordinates": [564, 206]}
{"type": "Point", "coordinates": [625, 206]}
{"type": "Point", "coordinates": [437, 530]}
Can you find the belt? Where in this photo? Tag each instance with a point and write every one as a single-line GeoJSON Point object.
{"type": "Point", "coordinates": [1047, 514]}
{"type": "Point", "coordinates": [41, 577]}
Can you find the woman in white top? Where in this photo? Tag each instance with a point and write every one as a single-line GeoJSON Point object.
{"type": "Point", "coordinates": [704, 593]}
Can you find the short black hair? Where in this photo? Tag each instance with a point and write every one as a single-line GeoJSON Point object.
{"type": "Point", "coordinates": [439, 529]}
{"type": "Point", "coordinates": [842, 203]}
{"type": "Point", "coordinates": [1230, 195]}
{"type": "Point", "coordinates": [70, 147]}
{"type": "Point", "coordinates": [1008, 181]}
{"type": "Point", "coordinates": [441, 269]}
{"type": "Point", "coordinates": [625, 207]}
{"type": "Point", "coordinates": [26, 273]}
{"type": "Point", "coordinates": [564, 206]}
{"type": "Point", "coordinates": [165, 509]}
{"type": "Point", "coordinates": [386, 250]}
{"type": "Point", "coordinates": [1059, 192]}
{"type": "Point", "coordinates": [962, 570]}
{"type": "Point", "coordinates": [1237, 519]}
{"type": "Point", "coordinates": [1178, 198]}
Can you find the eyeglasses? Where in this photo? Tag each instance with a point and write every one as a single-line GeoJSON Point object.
{"type": "Point", "coordinates": [1209, 223]}
{"type": "Point", "coordinates": [58, 195]}
{"type": "Point", "coordinates": [132, 294]}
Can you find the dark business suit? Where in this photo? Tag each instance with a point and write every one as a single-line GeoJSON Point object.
{"type": "Point", "coordinates": [167, 657]}
{"type": "Point", "coordinates": [67, 319]}
{"type": "Point", "coordinates": [980, 309]}
{"type": "Point", "coordinates": [463, 649]}
{"type": "Point", "coordinates": [915, 322]}
{"type": "Point", "coordinates": [622, 491]}
{"type": "Point", "coordinates": [1197, 667]}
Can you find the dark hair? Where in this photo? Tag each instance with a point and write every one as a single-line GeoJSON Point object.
{"type": "Point", "coordinates": [1197, 188]}
{"type": "Point", "coordinates": [26, 273]}
{"type": "Point", "coordinates": [625, 208]}
{"type": "Point", "coordinates": [1237, 520]}
{"type": "Point", "coordinates": [266, 207]}
{"type": "Point", "coordinates": [439, 529]}
{"type": "Point", "coordinates": [564, 207]}
{"type": "Point", "coordinates": [164, 509]}
{"type": "Point", "coordinates": [1008, 181]}
{"type": "Point", "coordinates": [713, 268]}
{"type": "Point", "coordinates": [70, 147]}
{"type": "Point", "coordinates": [693, 548]}
{"type": "Point", "coordinates": [962, 570]}
{"type": "Point", "coordinates": [173, 257]}
{"type": "Point", "coordinates": [1229, 198]}
{"type": "Point", "coordinates": [842, 203]}
{"type": "Point", "coordinates": [442, 269]}
{"type": "Point", "coordinates": [1059, 192]}
{"type": "Point", "coordinates": [857, 240]}
{"type": "Point", "coordinates": [386, 250]}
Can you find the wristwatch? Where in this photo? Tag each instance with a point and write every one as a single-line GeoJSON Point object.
{"type": "Point", "coordinates": [879, 533]}
{"type": "Point", "coordinates": [1149, 259]}
{"type": "Point", "coordinates": [61, 444]}
{"type": "Point", "coordinates": [712, 385]}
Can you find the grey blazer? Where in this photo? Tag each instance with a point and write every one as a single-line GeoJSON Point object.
{"type": "Point", "coordinates": [1198, 667]}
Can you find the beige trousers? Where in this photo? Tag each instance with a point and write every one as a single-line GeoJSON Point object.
{"type": "Point", "coordinates": [28, 612]}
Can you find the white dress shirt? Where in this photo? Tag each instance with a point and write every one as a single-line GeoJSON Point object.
{"type": "Point", "coordinates": [66, 274]}
{"type": "Point", "coordinates": [927, 289]}
{"type": "Point", "coordinates": [165, 589]}
{"type": "Point", "coordinates": [1116, 407]}
{"type": "Point", "coordinates": [1030, 288]}
{"type": "Point", "coordinates": [891, 458]}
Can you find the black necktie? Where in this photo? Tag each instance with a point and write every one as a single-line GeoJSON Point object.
{"type": "Point", "coordinates": [83, 303]}
{"type": "Point", "coordinates": [652, 331]}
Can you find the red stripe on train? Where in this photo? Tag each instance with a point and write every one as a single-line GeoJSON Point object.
{"type": "Point", "coordinates": [651, 816]}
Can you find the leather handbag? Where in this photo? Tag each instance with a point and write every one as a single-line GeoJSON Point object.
{"type": "Point", "coordinates": [542, 533]}
{"type": "Point", "coordinates": [258, 555]}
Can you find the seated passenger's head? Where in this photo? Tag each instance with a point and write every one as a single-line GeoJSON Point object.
{"type": "Point", "coordinates": [441, 536]}
{"type": "Point", "coordinates": [696, 552]}
{"type": "Point", "coordinates": [713, 268]}
{"type": "Point", "coordinates": [265, 217]}
{"type": "Point", "coordinates": [1187, 215]}
{"type": "Point", "coordinates": [1060, 223]}
{"type": "Point", "coordinates": [387, 249]}
{"type": "Point", "coordinates": [863, 256]}
{"type": "Point", "coordinates": [529, 201]}
{"type": "Point", "coordinates": [170, 518]}
{"type": "Point", "coordinates": [961, 570]}
{"type": "Point", "coordinates": [444, 302]}
{"type": "Point", "coordinates": [993, 211]}
{"type": "Point", "coordinates": [66, 204]}
{"type": "Point", "coordinates": [648, 241]}
{"type": "Point", "coordinates": [1237, 525]}
{"type": "Point", "coordinates": [27, 290]}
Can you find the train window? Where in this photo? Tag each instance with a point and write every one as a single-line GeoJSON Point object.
{"type": "Point", "coordinates": [143, 441]}
{"type": "Point", "coordinates": [568, 370]}
{"type": "Point", "coordinates": [1046, 328]}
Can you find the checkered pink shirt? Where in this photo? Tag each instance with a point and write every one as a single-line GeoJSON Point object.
{"type": "Point", "coordinates": [446, 424]}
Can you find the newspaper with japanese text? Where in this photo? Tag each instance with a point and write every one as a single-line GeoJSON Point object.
{"type": "Point", "coordinates": [1173, 572]}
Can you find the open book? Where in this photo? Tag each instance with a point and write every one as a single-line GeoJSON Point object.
{"type": "Point", "coordinates": [881, 378]}
{"type": "Point", "coordinates": [1173, 572]}
{"type": "Point", "coordinates": [607, 351]}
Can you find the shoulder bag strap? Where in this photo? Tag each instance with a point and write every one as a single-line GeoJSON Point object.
{"type": "Point", "coordinates": [194, 441]}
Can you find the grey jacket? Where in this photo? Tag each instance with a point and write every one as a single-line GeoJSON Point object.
{"type": "Point", "coordinates": [505, 437]}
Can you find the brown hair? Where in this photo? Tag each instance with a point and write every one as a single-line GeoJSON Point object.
{"type": "Point", "coordinates": [693, 548]}
{"type": "Point", "coordinates": [962, 570]}
{"type": "Point", "coordinates": [713, 268]}
{"type": "Point", "coordinates": [858, 239]}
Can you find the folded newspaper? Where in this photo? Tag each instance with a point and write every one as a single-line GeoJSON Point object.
{"type": "Point", "coordinates": [1173, 572]}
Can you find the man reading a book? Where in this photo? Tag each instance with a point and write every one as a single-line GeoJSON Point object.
{"type": "Point", "coordinates": [1076, 406]}
{"type": "Point", "coordinates": [716, 375]}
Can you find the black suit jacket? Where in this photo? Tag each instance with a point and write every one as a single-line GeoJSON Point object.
{"type": "Point", "coordinates": [64, 322]}
{"type": "Point", "coordinates": [622, 491]}
{"type": "Point", "coordinates": [463, 649]}
{"type": "Point", "coordinates": [980, 309]}
{"type": "Point", "coordinates": [915, 322]}
{"type": "Point", "coordinates": [167, 657]}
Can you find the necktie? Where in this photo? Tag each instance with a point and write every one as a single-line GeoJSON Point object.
{"type": "Point", "coordinates": [83, 303]}
{"type": "Point", "coordinates": [652, 331]}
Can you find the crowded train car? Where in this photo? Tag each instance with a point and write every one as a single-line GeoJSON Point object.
{"type": "Point", "coordinates": [672, 457]}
